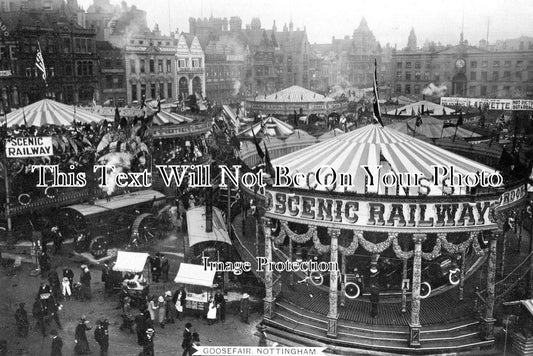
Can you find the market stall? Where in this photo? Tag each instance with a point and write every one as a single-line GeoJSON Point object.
{"type": "Point", "coordinates": [198, 283]}
{"type": "Point", "coordinates": [132, 265]}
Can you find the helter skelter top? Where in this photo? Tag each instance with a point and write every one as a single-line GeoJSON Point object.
{"type": "Point", "coordinates": [409, 166]}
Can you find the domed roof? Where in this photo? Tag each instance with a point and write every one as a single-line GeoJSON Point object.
{"type": "Point", "coordinates": [373, 146]}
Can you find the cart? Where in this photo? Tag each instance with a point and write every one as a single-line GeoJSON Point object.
{"type": "Point", "coordinates": [199, 285]}
{"type": "Point", "coordinates": [130, 263]}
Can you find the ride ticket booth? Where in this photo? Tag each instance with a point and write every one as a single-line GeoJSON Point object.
{"type": "Point", "coordinates": [135, 274]}
{"type": "Point", "coordinates": [198, 284]}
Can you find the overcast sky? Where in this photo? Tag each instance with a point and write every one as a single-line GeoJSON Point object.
{"type": "Point", "coordinates": [391, 21]}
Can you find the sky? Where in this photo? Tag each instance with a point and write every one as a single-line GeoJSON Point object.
{"type": "Point", "coordinates": [391, 21]}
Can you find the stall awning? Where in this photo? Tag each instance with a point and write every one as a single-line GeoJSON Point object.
{"type": "Point", "coordinates": [132, 262]}
{"type": "Point", "coordinates": [195, 275]}
{"type": "Point", "coordinates": [196, 227]}
{"type": "Point", "coordinates": [117, 202]}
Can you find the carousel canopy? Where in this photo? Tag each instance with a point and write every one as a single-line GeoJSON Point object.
{"type": "Point", "coordinates": [196, 227]}
{"type": "Point", "coordinates": [132, 262]}
{"type": "Point", "coordinates": [294, 94]}
{"type": "Point", "coordinates": [268, 127]}
{"type": "Point", "coordinates": [50, 112]}
{"type": "Point", "coordinates": [164, 118]}
{"type": "Point", "coordinates": [421, 107]}
{"type": "Point", "coordinates": [195, 275]}
{"type": "Point", "coordinates": [431, 128]}
{"type": "Point", "coordinates": [371, 146]}
{"type": "Point", "coordinates": [331, 134]}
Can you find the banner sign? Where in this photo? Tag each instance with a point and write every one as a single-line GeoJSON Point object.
{"type": "Point", "coordinates": [512, 196]}
{"type": "Point", "coordinates": [349, 214]}
{"type": "Point", "coordinates": [257, 350]}
{"type": "Point", "coordinates": [491, 104]}
{"type": "Point", "coordinates": [29, 147]}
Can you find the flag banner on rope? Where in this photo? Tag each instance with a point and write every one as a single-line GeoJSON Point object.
{"type": "Point", "coordinates": [39, 62]}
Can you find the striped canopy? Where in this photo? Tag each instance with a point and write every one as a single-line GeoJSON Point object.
{"type": "Point", "coordinates": [421, 107]}
{"type": "Point", "coordinates": [164, 118]}
{"type": "Point", "coordinates": [50, 112]}
{"type": "Point", "coordinates": [431, 128]}
{"type": "Point", "coordinates": [374, 145]}
{"type": "Point", "coordinates": [331, 134]}
{"type": "Point", "coordinates": [269, 127]}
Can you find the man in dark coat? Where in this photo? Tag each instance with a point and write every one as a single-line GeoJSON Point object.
{"type": "Point", "coordinates": [57, 344]}
{"type": "Point", "coordinates": [80, 337]}
{"type": "Point", "coordinates": [44, 262]}
{"type": "Point", "coordinates": [187, 339]}
{"type": "Point", "coordinates": [245, 308]}
{"type": "Point", "coordinates": [148, 343]}
{"type": "Point", "coordinates": [374, 300]}
{"type": "Point", "coordinates": [155, 267]}
{"type": "Point", "coordinates": [55, 284]}
{"type": "Point", "coordinates": [165, 267]}
{"type": "Point", "coordinates": [101, 335]}
{"type": "Point", "coordinates": [220, 302]}
{"type": "Point", "coordinates": [22, 320]}
{"type": "Point", "coordinates": [85, 280]}
{"type": "Point", "coordinates": [52, 308]}
{"type": "Point", "coordinates": [39, 313]}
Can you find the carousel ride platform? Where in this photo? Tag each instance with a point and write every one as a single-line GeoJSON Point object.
{"type": "Point", "coordinates": [449, 326]}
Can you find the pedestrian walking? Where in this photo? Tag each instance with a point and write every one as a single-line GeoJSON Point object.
{"type": "Point", "coordinates": [55, 284]}
{"type": "Point", "coordinates": [66, 289]}
{"type": "Point", "coordinates": [39, 313]}
{"type": "Point", "coordinates": [127, 317]}
{"type": "Point", "coordinates": [57, 239]}
{"type": "Point", "coordinates": [161, 305]}
{"type": "Point", "coordinates": [52, 308]}
{"type": "Point", "coordinates": [195, 343]}
{"type": "Point", "coordinates": [101, 335]}
{"type": "Point", "coordinates": [170, 309]}
{"type": "Point", "coordinates": [374, 300]}
{"type": "Point", "coordinates": [165, 267]}
{"type": "Point", "coordinates": [220, 303]}
{"type": "Point", "coordinates": [187, 339]}
{"type": "Point", "coordinates": [44, 261]}
{"type": "Point", "coordinates": [141, 327]}
{"type": "Point", "coordinates": [57, 344]}
{"type": "Point", "coordinates": [245, 308]}
{"type": "Point", "coordinates": [211, 312]}
{"type": "Point", "coordinates": [80, 337]}
{"type": "Point", "coordinates": [21, 317]}
{"type": "Point", "coordinates": [155, 267]}
{"type": "Point", "coordinates": [179, 300]}
{"type": "Point", "coordinates": [148, 343]}
{"type": "Point", "coordinates": [152, 307]}
{"type": "Point", "coordinates": [85, 280]}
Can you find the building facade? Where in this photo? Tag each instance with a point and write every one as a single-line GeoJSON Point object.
{"type": "Point", "coordinates": [464, 70]}
{"type": "Point", "coordinates": [112, 74]}
{"type": "Point", "coordinates": [69, 55]}
{"type": "Point", "coordinates": [190, 66]}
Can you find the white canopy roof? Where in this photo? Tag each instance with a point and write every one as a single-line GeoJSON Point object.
{"type": "Point", "coordinates": [421, 107]}
{"type": "Point", "coordinates": [294, 94]}
{"type": "Point", "coordinates": [196, 227]}
{"type": "Point", "coordinates": [132, 262]}
{"type": "Point", "coordinates": [195, 275]}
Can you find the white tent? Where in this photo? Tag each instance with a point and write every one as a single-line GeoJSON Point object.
{"type": "Point", "coordinates": [195, 275]}
{"type": "Point", "coordinates": [132, 262]}
{"type": "Point", "coordinates": [196, 222]}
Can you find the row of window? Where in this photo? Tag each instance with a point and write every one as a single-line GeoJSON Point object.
{"type": "Point", "coordinates": [114, 82]}
{"type": "Point", "coordinates": [155, 91]}
{"type": "Point", "coordinates": [142, 42]}
{"type": "Point", "coordinates": [503, 91]}
{"type": "Point", "coordinates": [161, 64]}
{"type": "Point", "coordinates": [473, 64]}
{"type": "Point", "coordinates": [484, 76]}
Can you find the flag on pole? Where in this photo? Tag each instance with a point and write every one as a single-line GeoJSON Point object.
{"type": "Point", "coordinates": [39, 62]}
{"type": "Point", "coordinates": [377, 112]}
{"type": "Point", "coordinates": [268, 163]}
{"type": "Point", "coordinates": [257, 147]}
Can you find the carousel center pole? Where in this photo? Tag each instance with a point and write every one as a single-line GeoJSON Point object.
{"type": "Point", "coordinates": [269, 295]}
{"type": "Point", "coordinates": [333, 316]}
{"type": "Point", "coordinates": [414, 325]}
{"type": "Point", "coordinates": [488, 320]}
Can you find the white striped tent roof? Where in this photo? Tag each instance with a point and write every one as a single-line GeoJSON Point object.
{"type": "Point", "coordinates": [431, 128]}
{"type": "Point", "coordinates": [164, 118]}
{"type": "Point", "coordinates": [50, 112]}
{"type": "Point", "coordinates": [421, 107]}
{"type": "Point", "coordinates": [331, 134]}
{"type": "Point", "coordinates": [268, 127]}
{"type": "Point", "coordinates": [374, 145]}
{"type": "Point", "coordinates": [294, 94]}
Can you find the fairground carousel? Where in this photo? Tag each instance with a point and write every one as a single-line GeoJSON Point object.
{"type": "Point", "coordinates": [402, 231]}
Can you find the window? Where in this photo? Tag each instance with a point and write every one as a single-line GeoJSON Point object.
{"type": "Point", "coordinates": [530, 75]}
{"type": "Point", "coordinates": [437, 77]}
{"type": "Point", "coordinates": [84, 68]}
{"type": "Point", "coordinates": [507, 75]}
{"type": "Point", "coordinates": [108, 81]}
{"type": "Point", "coordinates": [68, 69]}
{"type": "Point", "coordinates": [28, 72]}
{"type": "Point", "coordinates": [143, 66]}
{"type": "Point", "coordinates": [417, 65]}
{"type": "Point", "coordinates": [417, 76]}
{"type": "Point", "coordinates": [160, 66]}
{"type": "Point", "coordinates": [169, 65]}
{"type": "Point", "coordinates": [519, 64]}
{"type": "Point", "coordinates": [507, 63]}
{"type": "Point", "coordinates": [398, 88]}
{"type": "Point", "coordinates": [495, 75]}
{"type": "Point", "coordinates": [483, 90]}
{"type": "Point", "coordinates": [152, 91]}
{"type": "Point", "coordinates": [399, 75]}
{"type": "Point", "coordinates": [407, 75]}
{"type": "Point", "coordinates": [152, 66]}
{"type": "Point", "coordinates": [472, 75]}
{"type": "Point", "coordinates": [407, 88]}
{"type": "Point", "coordinates": [518, 75]}
{"type": "Point", "coordinates": [161, 90]}
{"type": "Point", "coordinates": [484, 76]}
{"type": "Point", "coordinates": [143, 91]}
{"type": "Point", "coordinates": [506, 91]}
{"type": "Point", "coordinates": [399, 65]}
{"type": "Point", "coordinates": [408, 65]}
{"type": "Point", "coordinates": [132, 65]}
{"type": "Point", "coordinates": [141, 42]}
{"type": "Point", "coordinates": [417, 89]}
{"type": "Point", "coordinates": [66, 45]}
{"type": "Point", "coordinates": [169, 90]}
{"type": "Point", "coordinates": [496, 64]}
{"type": "Point", "coordinates": [118, 63]}
{"type": "Point", "coordinates": [426, 75]}
{"type": "Point", "coordinates": [473, 64]}
{"type": "Point", "coordinates": [484, 64]}
{"type": "Point", "coordinates": [472, 90]}
{"type": "Point", "coordinates": [134, 92]}
{"type": "Point", "coordinates": [120, 81]}
{"type": "Point", "coordinates": [182, 63]}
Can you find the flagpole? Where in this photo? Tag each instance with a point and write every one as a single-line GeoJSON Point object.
{"type": "Point", "coordinates": [8, 190]}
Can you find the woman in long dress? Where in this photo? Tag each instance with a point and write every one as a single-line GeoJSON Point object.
{"type": "Point", "coordinates": [80, 338]}
{"type": "Point", "coordinates": [211, 312]}
{"type": "Point", "coordinates": [152, 307]}
{"type": "Point", "coordinates": [162, 311]}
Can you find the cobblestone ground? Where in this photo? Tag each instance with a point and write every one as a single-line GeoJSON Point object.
{"type": "Point", "coordinates": [22, 287]}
